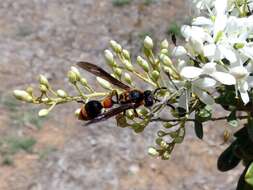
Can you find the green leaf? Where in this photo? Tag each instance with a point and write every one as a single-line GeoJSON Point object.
{"type": "Point", "coordinates": [204, 114]}
{"type": "Point", "coordinates": [249, 175]}
{"type": "Point", "coordinates": [250, 128]}
{"type": "Point", "coordinates": [232, 120]}
{"type": "Point", "coordinates": [232, 116]}
{"type": "Point", "coordinates": [228, 160]}
{"type": "Point", "coordinates": [198, 127]}
{"type": "Point", "coordinates": [242, 185]}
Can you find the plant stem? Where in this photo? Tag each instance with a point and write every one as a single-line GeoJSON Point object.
{"type": "Point", "coordinates": [192, 120]}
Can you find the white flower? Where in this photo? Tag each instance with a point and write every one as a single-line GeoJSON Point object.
{"type": "Point", "coordinates": [243, 81]}
{"type": "Point", "coordinates": [209, 69]}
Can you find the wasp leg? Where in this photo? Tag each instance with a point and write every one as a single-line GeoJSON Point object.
{"type": "Point", "coordinates": [136, 113]}
{"type": "Point", "coordinates": [156, 91]}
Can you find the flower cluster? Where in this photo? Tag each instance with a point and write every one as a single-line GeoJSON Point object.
{"type": "Point", "coordinates": [214, 66]}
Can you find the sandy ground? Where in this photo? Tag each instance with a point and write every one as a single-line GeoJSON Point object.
{"type": "Point", "coordinates": [43, 36]}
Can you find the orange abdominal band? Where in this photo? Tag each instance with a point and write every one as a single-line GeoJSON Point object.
{"type": "Point", "coordinates": [107, 102]}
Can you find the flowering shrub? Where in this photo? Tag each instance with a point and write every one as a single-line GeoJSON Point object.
{"type": "Point", "coordinates": [214, 66]}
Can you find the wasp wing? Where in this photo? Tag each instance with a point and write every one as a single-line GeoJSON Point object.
{"type": "Point", "coordinates": [110, 113]}
{"type": "Point", "coordinates": [98, 71]}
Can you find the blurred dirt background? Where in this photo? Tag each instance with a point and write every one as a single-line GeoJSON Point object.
{"type": "Point", "coordinates": [47, 37]}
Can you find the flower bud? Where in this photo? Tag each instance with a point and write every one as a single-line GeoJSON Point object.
{"type": "Point", "coordinates": [43, 112]}
{"type": "Point", "coordinates": [115, 46]}
{"type": "Point", "coordinates": [142, 111]}
{"type": "Point", "coordinates": [22, 95]}
{"type": "Point", "coordinates": [165, 44]}
{"type": "Point", "coordinates": [165, 60]}
{"type": "Point", "coordinates": [105, 84]}
{"type": "Point", "coordinates": [128, 65]}
{"type": "Point", "coordinates": [164, 51]}
{"type": "Point", "coordinates": [43, 80]}
{"type": "Point", "coordinates": [164, 144]}
{"type": "Point", "coordinates": [152, 151]}
{"type": "Point", "coordinates": [128, 78]}
{"type": "Point", "coordinates": [29, 90]}
{"type": "Point", "coordinates": [130, 114]}
{"type": "Point", "coordinates": [61, 93]}
{"type": "Point", "coordinates": [239, 72]}
{"type": "Point", "coordinates": [126, 54]}
{"type": "Point", "coordinates": [76, 71]}
{"type": "Point", "coordinates": [77, 112]}
{"type": "Point", "coordinates": [155, 75]}
{"type": "Point", "coordinates": [143, 63]}
{"type": "Point", "coordinates": [117, 71]}
{"type": "Point", "coordinates": [179, 51]}
{"type": "Point", "coordinates": [238, 45]}
{"type": "Point", "coordinates": [166, 155]}
{"type": "Point", "coordinates": [45, 99]}
{"type": "Point", "coordinates": [84, 82]}
{"type": "Point", "coordinates": [43, 88]}
{"type": "Point", "coordinates": [173, 75]}
{"type": "Point", "coordinates": [148, 43]}
{"type": "Point", "coordinates": [72, 77]}
{"type": "Point", "coordinates": [109, 58]}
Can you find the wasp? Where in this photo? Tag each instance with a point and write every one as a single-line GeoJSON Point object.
{"type": "Point", "coordinates": [129, 99]}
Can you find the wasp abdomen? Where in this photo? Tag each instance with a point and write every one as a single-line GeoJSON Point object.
{"type": "Point", "coordinates": [90, 110]}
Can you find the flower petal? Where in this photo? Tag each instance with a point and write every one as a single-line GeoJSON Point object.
{"type": "Point", "coordinates": [205, 83]}
{"type": "Point", "coordinates": [224, 78]}
{"type": "Point", "coordinates": [191, 72]}
{"type": "Point", "coordinates": [202, 21]}
{"type": "Point", "coordinates": [245, 97]}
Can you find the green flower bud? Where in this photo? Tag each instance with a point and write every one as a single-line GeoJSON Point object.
{"type": "Point", "coordinates": [142, 111]}
{"type": "Point", "coordinates": [152, 151]}
{"type": "Point", "coordinates": [105, 84]}
{"type": "Point", "coordinates": [164, 51]}
{"type": "Point", "coordinates": [165, 60]}
{"type": "Point", "coordinates": [166, 155]}
{"type": "Point", "coordinates": [128, 78]}
{"type": "Point", "coordinates": [43, 112]}
{"type": "Point", "coordinates": [22, 95]}
{"type": "Point", "coordinates": [43, 88]}
{"type": "Point", "coordinates": [155, 75]}
{"type": "Point", "coordinates": [173, 75]}
{"type": "Point", "coordinates": [61, 93]}
{"type": "Point", "coordinates": [115, 46]}
{"type": "Point", "coordinates": [126, 54]}
{"type": "Point", "coordinates": [84, 82]}
{"type": "Point", "coordinates": [238, 45]}
{"type": "Point", "coordinates": [148, 43]}
{"type": "Point", "coordinates": [165, 44]}
{"type": "Point", "coordinates": [43, 80]}
{"type": "Point", "coordinates": [143, 63]}
{"type": "Point", "coordinates": [76, 71]}
{"type": "Point", "coordinates": [109, 58]}
{"type": "Point", "coordinates": [29, 90]}
{"type": "Point", "coordinates": [117, 71]}
{"type": "Point", "coordinates": [45, 99]}
{"type": "Point", "coordinates": [128, 65]}
{"type": "Point", "coordinates": [72, 77]}
{"type": "Point", "coordinates": [164, 145]}
{"type": "Point", "coordinates": [130, 114]}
